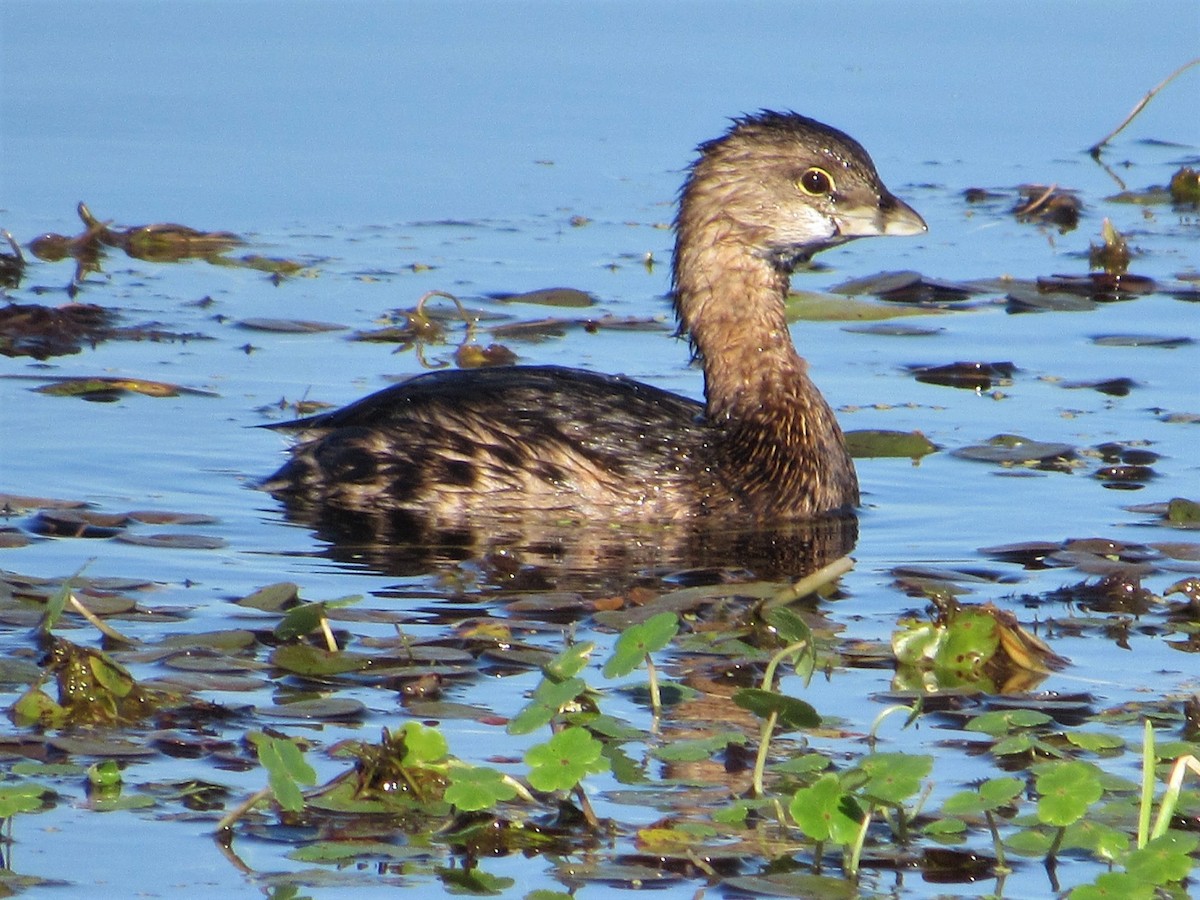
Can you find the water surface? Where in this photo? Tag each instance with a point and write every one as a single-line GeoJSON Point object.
{"type": "Point", "coordinates": [396, 149]}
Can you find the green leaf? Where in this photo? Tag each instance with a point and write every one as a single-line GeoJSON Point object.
{"type": "Point", "coordinates": [55, 606]}
{"type": "Point", "coordinates": [788, 625]}
{"type": "Point", "coordinates": [1012, 746]}
{"type": "Point", "coordinates": [1164, 859]}
{"type": "Point", "coordinates": [19, 798]}
{"type": "Point", "coordinates": [35, 705]}
{"type": "Point", "coordinates": [304, 659]}
{"type": "Point", "coordinates": [570, 662]}
{"type": "Point", "coordinates": [1095, 741]}
{"type": "Point", "coordinates": [285, 766]}
{"type": "Point", "coordinates": [564, 760]}
{"type": "Point", "coordinates": [1007, 720]}
{"type": "Point", "coordinates": [340, 851]}
{"type": "Point", "coordinates": [477, 787]}
{"type": "Point", "coordinates": [423, 746]}
{"type": "Point", "coordinates": [868, 444]}
{"type": "Point", "coordinates": [273, 597]}
{"type": "Point", "coordinates": [941, 827]}
{"type": "Point", "coordinates": [1067, 789]}
{"type": "Point", "coordinates": [804, 764]}
{"type": "Point", "coordinates": [736, 812]}
{"type": "Point", "coordinates": [991, 795]}
{"type": "Point", "coordinates": [791, 713]}
{"type": "Point", "coordinates": [824, 812]}
{"type": "Point", "coordinates": [1097, 838]}
{"type": "Point", "coordinates": [548, 699]}
{"type": "Point", "coordinates": [473, 881]}
{"type": "Point", "coordinates": [104, 774]}
{"type": "Point", "coordinates": [117, 801]}
{"type": "Point", "coordinates": [1028, 842]}
{"type": "Point", "coordinates": [1001, 791]}
{"type": "Point", "coordinates": [639, 641]}
{"type": "Point", "coordinates": [300, 620]}
{"type": "Point", "coordinates": [1181, 511]}
{"type": "Point", "coordinates": [608, 727]}
{"type": "Point", "coordinates": [1113, 886]}
{"type": "Point", "coordinates": [918, 642]}
{"type": "Point", "coordinates": [306, 618]}
{"type": "Point", "coordinates": [625, 768]}
{"type": "Point", "coordinates": [293, 761]}
{"type": "Point", "coordinates": [894, 777]}
{"type": "Point", "coordinates": [696, 750]}
{"type": "Point", "coordinates": [110, 675]}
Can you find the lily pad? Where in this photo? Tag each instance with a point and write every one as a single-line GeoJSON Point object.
{"type": "Point", "coordinates": [289, 326]}
{"type": "Point", "coordinates": [1022, 300]}
{"type": "Point", "coordinates": [174, 541]}
{"type": "Point", "coordinates": [561, 296]}
{"type": "Point", "coordinates": [303, 659]}
{"type": "Point", "coordinates": [1013, 449]}
{"type": "Point", "coordinates": [323, 708]}
{"type": "Point", "coordinates": [1165, 342]}
{"type": "Point", "coordinates": [90, 388]}
{"type": "Point", "coordinates": [815, 307]}
{"type": "Point", "coordinates": [876, 443]}
{"type": "Point", "coordinates": [975, 376]}
{"type": "Point", "coordinates": [273, 598]}
{"type": "Point", "coordinates": [1114, 387]}
{"type": "Point", "coordinates": [907, 287]}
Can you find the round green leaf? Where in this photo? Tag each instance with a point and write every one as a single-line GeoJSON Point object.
{"type": "Point", "coordinates": [1113, 886]}
{"type": "Point", "coordinates": [564, 760]}
{"type": "Point", "coordinates": [477, 787]}
{"type": "Point", "coordinates": [894, 777]}
{"type": "Point", "coordinates": [423, 746]}
{"type": "Point", "coordinates": [1163, 860]}
{"type": "Point", "coordinates": [1067, 789]}
{"type": "Point", "coordinates": [639, 641]}
{"type": "Point", "coordinates": [825, 812]}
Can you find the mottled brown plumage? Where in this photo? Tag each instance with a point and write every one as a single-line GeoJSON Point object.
{"type": "Point", "coordinates": [764, 447]}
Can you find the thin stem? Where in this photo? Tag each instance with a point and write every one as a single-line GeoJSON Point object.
{"type": "Point", "coordinates": [764, 743]}
{"type": "Point", "coordinates": [873, 734]}
{"type": "Point", "coordinates": [1148, 758]}
{"type": "Point", "coordinates": [655, 696]}
{"type": "Point", "coordinates": [97, 622]}
{"type": "Point", "coordinates": [1052, 853]}
{"type": "Point", "coordinates": [1170, 798]}
{"type": "Point", "coordinates": [330, 640]}
{"type": "Point", "coordinates": [1141, 104]}
{"type": "Point", "coordinates": [773, 664]}
{"type": "Point", "coordinates": [811, 582]}
{"type": "Point", "coordinates": [997, 844]}
{"type": "Point", "coordinates": [856, 850]}
{"type": "Point", "coordinates": [241, 809]}
{"type": "Point", "coordinates": [585, 806]}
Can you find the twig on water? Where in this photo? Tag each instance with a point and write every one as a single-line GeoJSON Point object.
{"type": "Point", "coordinates": [1095, 149]}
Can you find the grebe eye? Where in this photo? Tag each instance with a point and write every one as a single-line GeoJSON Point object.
{"type": "Point", "coordinates": [816, 182]}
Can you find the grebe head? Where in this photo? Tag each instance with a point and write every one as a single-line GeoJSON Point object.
{"type": "Point", "coordinates": [786, 187]}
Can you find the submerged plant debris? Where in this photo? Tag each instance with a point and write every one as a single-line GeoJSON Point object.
{"type": "Point", "coordinates": [162, 243]}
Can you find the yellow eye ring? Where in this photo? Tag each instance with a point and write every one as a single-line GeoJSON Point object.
{"type": "Point", "coordinates": [816, 182]}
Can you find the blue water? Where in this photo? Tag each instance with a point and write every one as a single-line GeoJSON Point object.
{"type": "Point", "coordinates": [365, 138]}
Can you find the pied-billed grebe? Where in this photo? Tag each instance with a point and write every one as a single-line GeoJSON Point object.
{"type": "Point", "coordinates": [765, 446]}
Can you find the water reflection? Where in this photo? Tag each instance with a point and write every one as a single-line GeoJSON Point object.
{"type": "Point", "coordinates": [567, 552]}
